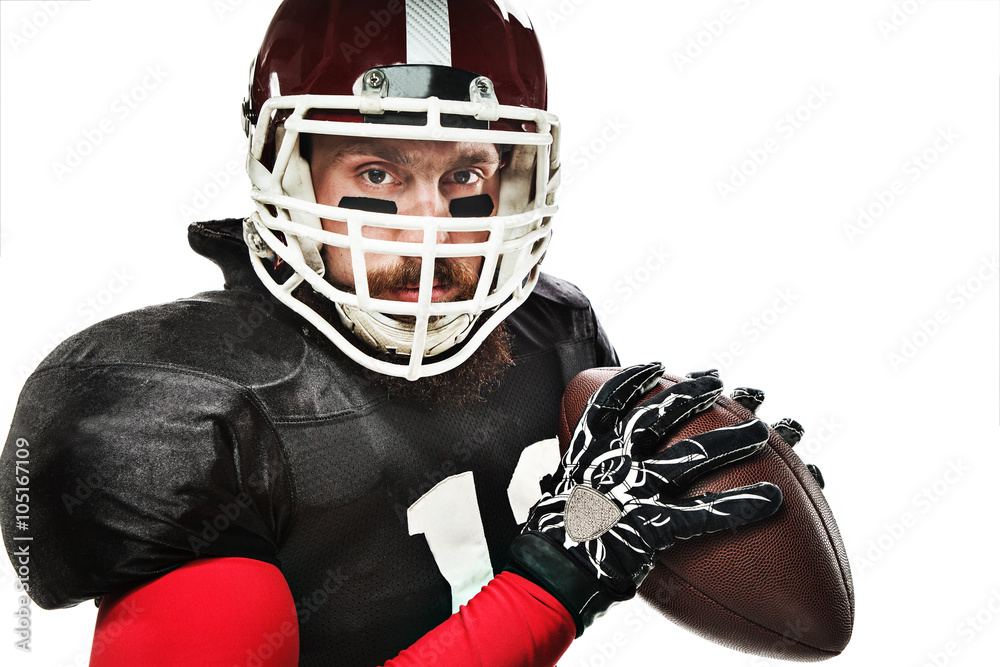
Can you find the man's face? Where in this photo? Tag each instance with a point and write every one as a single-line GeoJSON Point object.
{"type": "Point", "coordinates": [422, 178]}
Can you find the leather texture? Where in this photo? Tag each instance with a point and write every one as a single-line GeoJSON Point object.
{"type": "Point", "coordinates": [781, 588]}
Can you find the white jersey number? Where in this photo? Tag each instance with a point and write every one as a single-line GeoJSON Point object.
{"type": "Point", "coordinates": [448, 518]}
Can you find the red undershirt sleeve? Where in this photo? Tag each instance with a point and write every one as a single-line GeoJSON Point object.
{"type": "Point", "coordinates": [212, 611]}
{"type": "Point", "coordinates": [509, 623]}
{"type": "Point", "coordinates": [239, 611]}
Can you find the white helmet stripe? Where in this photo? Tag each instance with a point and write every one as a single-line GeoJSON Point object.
{"type": "Point", "coordinates": [428, 32]}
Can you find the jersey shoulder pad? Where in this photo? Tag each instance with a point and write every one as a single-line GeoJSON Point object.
{"type": "Point", "coordinates": [560, 291]}
{"type": "Point", "coordinates": [558, 315]}
{"type": "Point", "coordinates": [136, 470]}
{"type": "Point", "coordinates": [238, 336]}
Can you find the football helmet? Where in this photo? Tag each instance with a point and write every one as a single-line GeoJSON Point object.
{"type": "Point", "coordinates": [426, 70]}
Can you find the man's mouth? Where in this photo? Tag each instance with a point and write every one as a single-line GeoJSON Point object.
{"type": "Point", "coordinates": [410, 293]}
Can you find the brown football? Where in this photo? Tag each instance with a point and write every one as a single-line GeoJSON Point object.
{"type": "Point", "coordinates": [780, 588]}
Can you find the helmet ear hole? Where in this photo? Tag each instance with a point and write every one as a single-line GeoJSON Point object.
{"type": "Point", "coordinates": [518, 181]}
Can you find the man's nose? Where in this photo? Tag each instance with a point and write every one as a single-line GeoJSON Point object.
{"type": "Point", "coordinates": [424, 200]}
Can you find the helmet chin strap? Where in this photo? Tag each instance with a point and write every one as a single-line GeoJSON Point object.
{"type": "Point", "coordinates": [388, 334]}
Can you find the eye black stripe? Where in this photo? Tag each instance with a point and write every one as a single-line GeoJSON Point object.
{"type": "Point", "coordinates": [476, 206]}
{"type": "Point", "coordinates": [368, 204]}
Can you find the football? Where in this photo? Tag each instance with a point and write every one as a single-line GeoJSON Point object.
{"type": "Point", "coordinates": [780, 588]}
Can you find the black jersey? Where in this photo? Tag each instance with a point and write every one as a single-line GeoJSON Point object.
{"type": "Point", "coordinates": [216, 426]}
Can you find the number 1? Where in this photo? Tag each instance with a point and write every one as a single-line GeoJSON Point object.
{"type": "Point", "coordinates": [448, 518]}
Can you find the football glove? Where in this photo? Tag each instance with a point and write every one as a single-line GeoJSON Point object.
{"type": "Point", "coordinates": [609, 509]}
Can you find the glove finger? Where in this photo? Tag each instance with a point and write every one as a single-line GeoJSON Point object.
{"type": "Point", "coordinates": [711, 513]}
{"type": "Point", "coordinates": [651, 422]}
{"type": "Point", "coordinates": [817, 475]}
{"type": "Point", "coordinates": [616, 396]}
{"type": "Point", "coordinates": [604, 410]}
{"type": "Point", "coordinates": [683, 461]}
{"type": "Point", "coordinates": [748, 397]}
{"type": "Point", "coordinates": [790, 430]}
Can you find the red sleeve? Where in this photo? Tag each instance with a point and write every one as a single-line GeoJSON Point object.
{"type": "Point", "coordinates": [511, 622]}
{"type": "Point", "coordinates": [214, 611]}
{"type": "Point", "coordinates": [226, 611]}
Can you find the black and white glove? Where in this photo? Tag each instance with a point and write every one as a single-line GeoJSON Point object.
{"type": "Point", "coordinates": [787, 429]}
{"type": "Point", "coordinates": [608, 510]}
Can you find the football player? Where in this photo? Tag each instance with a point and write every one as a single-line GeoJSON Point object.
{"type": "Point", "coordinates": [336, 459]}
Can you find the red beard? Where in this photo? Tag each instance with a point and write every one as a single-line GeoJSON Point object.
{"type": "Point", "coordinates": [472, 380]}
{"type": "Point", "coordinates": [449, 272]}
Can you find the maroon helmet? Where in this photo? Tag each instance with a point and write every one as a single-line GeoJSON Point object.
{"type": "Point", "coordinates": [324, 47]}
{"type": "Point", "coordinates": [429, 70]}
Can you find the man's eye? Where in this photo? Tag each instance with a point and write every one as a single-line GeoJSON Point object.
{"type": "Point", "coordinates": [377, 176]}
{"type": "Point", "coordinates": [466, 177]}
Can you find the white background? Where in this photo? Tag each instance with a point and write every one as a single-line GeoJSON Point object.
{"type": "Point", "coordinates": [647, 140]}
